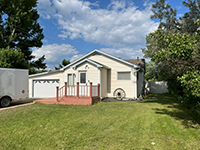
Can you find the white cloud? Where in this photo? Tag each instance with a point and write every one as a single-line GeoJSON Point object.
{"type": "Point", "coordinates": [121, 24]}
{"type": "Point", "coordinates": [46, 8]}
{"type": "Point", "coordinates": [124, 53]}
{"type": "Point", "coordinates": [54, 52]}
{"type": "Point", "coordinates": [75, 57]}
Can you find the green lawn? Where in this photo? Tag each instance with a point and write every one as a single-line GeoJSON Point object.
{"type": "Point", "coordinates": [156, 123]}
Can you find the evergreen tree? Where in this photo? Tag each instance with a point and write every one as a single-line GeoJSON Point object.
{"type": "Point", "coordinates": [65, 62]}
{"type": "Point", "coordinates": [169, 21]}
{"type": "Point", "coordinates": [39, 64]}
{"type": "Point", "coordinates": [19, 28]}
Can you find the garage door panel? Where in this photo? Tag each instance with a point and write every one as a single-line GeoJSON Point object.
{"type": "Point", "coordinates": [45, 88]}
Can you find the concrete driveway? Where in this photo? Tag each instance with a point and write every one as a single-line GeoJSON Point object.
{"type": "Point", "coordinates": [19, 102]}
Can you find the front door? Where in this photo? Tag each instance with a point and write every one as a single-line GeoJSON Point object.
{"type": "Point", "coordinates": [71, 89]}
{"type": "Point", "coordinates": [71, 79]}
{"type": "Point", "coordinates": [83, 87]}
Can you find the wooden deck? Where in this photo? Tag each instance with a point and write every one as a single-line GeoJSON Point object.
{"type": "Point", "coordinates": [69, 100]}
{"type": "Point", "coordinates": [74, 95]}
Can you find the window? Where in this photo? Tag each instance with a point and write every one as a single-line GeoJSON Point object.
{"type": "Point", "coordinates": [83, 77]}
{"type": "Point", "coordinates": [71, 79]}
{"type": "Point", "coordinates": [123, 75]}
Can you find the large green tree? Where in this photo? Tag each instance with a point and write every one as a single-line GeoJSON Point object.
{"type": "Point", "coordinates": [19, 28]}
{"type": "Point", "coordinates": [175, 45]}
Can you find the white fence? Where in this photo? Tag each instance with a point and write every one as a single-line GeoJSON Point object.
{"type": "Point", "coordinates": [156, 87]}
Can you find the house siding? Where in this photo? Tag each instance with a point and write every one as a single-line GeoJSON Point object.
{"type": "Point", "coordinates": [129, 86]}
{"type": "Point", "coordinates": [92, 74]}
{"type": "Point", "coordinates": [69, 71]}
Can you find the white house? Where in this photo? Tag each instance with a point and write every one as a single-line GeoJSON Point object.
{"type": "Point", "coordinates": [117, 77]}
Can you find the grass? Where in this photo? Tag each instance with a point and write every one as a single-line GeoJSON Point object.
{"type": "Point", "coordinates": [156, 123]}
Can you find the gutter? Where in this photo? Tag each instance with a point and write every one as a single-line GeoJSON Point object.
{"type": "Point", "coordinates": [100, 82]}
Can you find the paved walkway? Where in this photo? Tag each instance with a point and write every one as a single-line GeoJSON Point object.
{"type": "Point", "coordinates": [47, 101]}
{"type": "Point", "coordinates": [11, 107]}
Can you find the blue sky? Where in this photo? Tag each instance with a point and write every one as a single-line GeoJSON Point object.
{"type": "Point", "coordinates": [73, 28]}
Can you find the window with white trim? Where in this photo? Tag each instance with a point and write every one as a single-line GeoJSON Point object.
{"type": "Point", "coordinates": [83, 77]}
{"type": "Point", "coordinates": [126, 75]}
{"type": "Point", "coordinates": [71, 79]}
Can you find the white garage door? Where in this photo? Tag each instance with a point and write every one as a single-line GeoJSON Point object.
{"type": "Point", "coordinates": [45, 88]}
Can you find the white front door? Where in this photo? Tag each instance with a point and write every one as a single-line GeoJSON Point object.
{"type": "Point", "coordinates": [83, 87]}
{"type": "Point", "coordinates": [71, 89]}
{"type": "Point", "coordinates": [71, 79]}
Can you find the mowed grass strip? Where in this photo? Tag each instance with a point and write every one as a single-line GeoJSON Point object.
{"type": "Point", "coordinates": [158, 122]}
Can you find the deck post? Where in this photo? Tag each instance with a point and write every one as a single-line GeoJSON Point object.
{"type": "Point", "coordinates": [65, 89]}
{"type": "Point", "coordinates": [98, 90]}
{"type": "Point", "coordinates": [77, 86]}
{"type": "Point", "coordinates": [90, 89]}
{"type": "Point", "coordinates": [57, 88]}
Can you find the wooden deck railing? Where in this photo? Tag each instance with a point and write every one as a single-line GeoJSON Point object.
{"type": "Point", "coordinates": [95, 90]}
{"type": "Point", "coordinates": [60, 92]}
{"type": "Point", "coordinates": [71, 90]}
{"type": "Point", "coordinates": [77, 91]}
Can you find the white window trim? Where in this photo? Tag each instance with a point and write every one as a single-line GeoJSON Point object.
{"type": "Point", "coordinates": [73, 74]}
{"type": "Point", "coordinates": [79, 76]}
{"type": "Point", "coordinates": [124, 72]}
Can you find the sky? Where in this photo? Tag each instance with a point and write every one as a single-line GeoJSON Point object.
{"type": "Point", "coordinates": [73, 28]}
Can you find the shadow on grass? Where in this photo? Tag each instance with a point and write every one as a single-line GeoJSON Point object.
{"type": "Point", "coordinates": [160, 98]}
{"type": "Point", "coordinates": [188, 117]}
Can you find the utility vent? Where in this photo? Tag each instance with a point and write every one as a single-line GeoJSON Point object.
{"type": "Point", "coordinates": [138, 62]}
{"type": "Point", "coordinates": [96, 54]}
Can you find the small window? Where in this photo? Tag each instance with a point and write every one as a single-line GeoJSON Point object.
{"type": "Point", "coordinates": [123, 75]}
{"type": "Point", "coordinates": [82, 77]}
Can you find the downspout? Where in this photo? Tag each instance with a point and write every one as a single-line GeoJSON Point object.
{"type": "Point", "coordinates": [100, 81]}
{"type": "Point", "coordinates": [136, 81]}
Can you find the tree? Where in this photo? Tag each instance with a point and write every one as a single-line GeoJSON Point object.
{"type": "Point", "coordinates": [19, 28]}
{"type": "Point", "coordinates": [169, 20]}
{"type": "Point", "coordinates": [176, 53]}
{"type": "Point", "coordinates": [12, 59]}
{"type": "Point", "coordinates": [40, 63]}
{"type": "Point", "coordinates": [191, 83]}
{"type": "Point", "coordinates": [176, 45]}
{"type": "Point", "coordinates": [154, 71]}
{"type": "Point", "coordinates": [166, 15]}
{"type": "Point", "coordinates": [64, 63]}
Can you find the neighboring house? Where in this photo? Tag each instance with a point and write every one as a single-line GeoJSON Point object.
{"type": "Point", "coordinates": [117, 77]}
